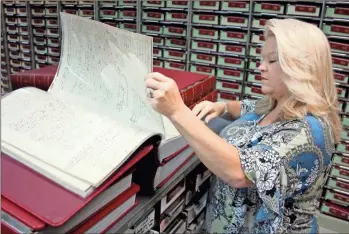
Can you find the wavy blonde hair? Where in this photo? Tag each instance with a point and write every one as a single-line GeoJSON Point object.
{"type": "Point", "coordinates": [305, 58]}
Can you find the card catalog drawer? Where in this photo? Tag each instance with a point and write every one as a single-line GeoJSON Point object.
{"type": "Point", "coordinates": [106, 3]}
{"type": "Point", "coordinates": [206, 5]}
{"type": "Point", "coordinates": [205, 33]}
{"type": "Point", "coordinates": [26, 56]}
{"type": "Point", "coordinates": [340, 62]}
{"type": "Point", "coordinates": [234, 21]}
{"type": "Point", "coordinates": [53, 42]}
{"type": "Point", "coordinates": [154, 3]}
{"type": "Point", "coordinates": [153, 15]}
{"type": "Point", "coordinates": [174, 65]}
{"type": "Point", "coordinates": [274, 8]}
{"type": "Point", "coordinates": [232, 49]}
{"type": "Point", "coordinates": [175, 31]}
{"type": "Point", "coordinates": [203, 45]}
{"type": "Point", "coordinates": [13, 38]}
{"type": "Point", "coordinates": [335, 29]}
{"type": "Point", "coordinates": [38, 12]}
{"type": "Point", "coordinates": [128, 26]}
{"type": "Point", "coordinates": [52, 23]}
{"type": "Point", "coordinates": [254, 90]}
{"type": "Point", "coordinates": [71, 11]}
{"type": "Point", "coordinates": [38, 22]}
{"type": "Point", "coordinates": [86, 13]}
{"type": "Point", "coordinates": [338, 184]}
{"type": "Point", "coordinates": [129, 2]}
{"type": "Point", "coordinates": [227, 97]}
{"type": "Point", "coordinates": [12, 29]}
{"type": "Point", "coordinates": [235, 6]}
{"type": "Point", "coordinates": [52, 60]}
{"type": "Point", "coordinates": [257, 38]}
{"type": "Point", "coordinates": [13, 46]}
{"type": "Point", "coordinates": [203, 58]}
{"type": "Point", "coordinates": [341, 92]}
{"type": "Point", "coordinates": [337, 12]}
{"type": "Point", "coordinates": [229, 86]}
{"type": "Point", "coordinates": [231, 61]}
{"type": "Point", "coordinates": [158, 41]}
{"type": "Point", "coordinates": [39, 31]}
{"type": "Point", "coordinates": [157, 29]}
{"type": "Point", "coordinates": [255, 51]}
{"type": "Point", "coordinates": [202, 69]}
{"type": "Point", "coordinates": [176, 16]}
{"type": "Point", "coordinates": [52, 32]}
{"type": "Point", "coordinates": [10, 11]}
{"type": "Point", "coordinates": [128, 14]}
{"type": "Point", "coordinates": [173, 42]}
{"type": "Point", "coordinates": [54, 51]}
{"type": "Point", "coordinates": [25, 48]}
{"type": "Point", "coordinates": [254, 64]}
{"type": "Point", "coordinates": [201, 18]}
{"type": "Point", "coordinates": [341, 160]}
{"type": "Point", "coordinates": [23, 30]}
{"type": "Point", "coordinates": [254, 77]}
{"type": "Point", "coordinates": [177, 4]}
{"type": "Point", "coordinates": [229, 74]}
{"type": "Point", "coordinates": [158, 63]}
{"type": "Point", "coordinates": [13, 21]}
{"type": "Point", "coordinates": [174, 54]}
{"type": "Point", "coordinates": [15, 63]}
{"type": "Point", "coordinates": [40, 49]}
{"type": "Point", "coordinates": [339, 172]}
{"type": "Point", "coordinates": [14, 70]}
{"type": "Point", "coordinates": [51, 11]}
{"type": "Point", "coordinates": [39, 65]}
{"type": "Point", "coordinates": [157, 52]}
{"type": "Point", "coordinates": [338, 47]}
{"type": "Point", "coordinates": [26, 65]}
{"type": "Point", "coordinates": [258, 23]}
{"type": "Point", "coordinates": [337, 197]}
{"type": "Point", "coordinates": [24, 39]}
{"type": "Point", "coordinates": [14, 54]}
{"type": "Point", "coordinates": [233, 35]}
{"type": "Point", "coordinates": [299, 9]}
{"type": "Point", "coordinates": [40, 58]}
{"type": "Point", "coordinates": [109, 13]}
{"type": "Point", "coordinates": [341, 77]}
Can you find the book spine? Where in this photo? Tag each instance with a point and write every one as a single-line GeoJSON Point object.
{"type": "Point", "coordinates": [40, 81]}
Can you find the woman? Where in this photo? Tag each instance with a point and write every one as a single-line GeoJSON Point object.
{"type": "Point", "coordinates": [269, 164]}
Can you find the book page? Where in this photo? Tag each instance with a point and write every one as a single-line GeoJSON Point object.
{"type": "Point", "coordinates": [103, 68]}
{"type": "Point", "coordinates": [87, 145]}
{"type": "Point", "coordinates": [170, 129]}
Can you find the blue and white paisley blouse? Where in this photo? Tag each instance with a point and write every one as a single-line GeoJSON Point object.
{"type": "Point", "coordinates": [287, 162]}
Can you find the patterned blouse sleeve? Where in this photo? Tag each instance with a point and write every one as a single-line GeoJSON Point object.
{"type": "Point", "coordinates": [283, 165]}
{"type": "Point", "coordinates": [247, 105]}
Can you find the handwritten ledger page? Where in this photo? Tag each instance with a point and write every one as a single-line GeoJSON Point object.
{"type": "Point", "coordinates": [95, 113]}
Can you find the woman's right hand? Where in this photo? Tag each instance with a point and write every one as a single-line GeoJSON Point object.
{"type": "Point", "coordinates": [211, 109]}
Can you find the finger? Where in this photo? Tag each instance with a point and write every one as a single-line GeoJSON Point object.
{"type": "Point", "coordinates": [152, 84]}
{"type": "Point", "coordinates": [210, 117]}
{"type": "Point", "coordinates": [157, 76]}
{"type": "Point", "coordinates": [197, 108]}
{"type": "Point", "coordinates": [204, 112]}
{"type": "Point", "coordinates": [159, 93]}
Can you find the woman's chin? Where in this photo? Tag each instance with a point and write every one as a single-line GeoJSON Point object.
{"type": "Point", "coordinates": [266, 90]}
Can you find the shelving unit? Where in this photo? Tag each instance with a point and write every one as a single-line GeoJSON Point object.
{"type": "Point", "coordinates": [221, 38]}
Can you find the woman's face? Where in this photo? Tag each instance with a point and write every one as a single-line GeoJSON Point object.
{"type": "Point", "coordinates": [271, 72]}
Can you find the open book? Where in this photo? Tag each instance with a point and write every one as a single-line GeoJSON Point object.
{"type": "Point", "coordinates": [95, 113]}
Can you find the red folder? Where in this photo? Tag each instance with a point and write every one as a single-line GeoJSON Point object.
{"type": "Point", "coordinates": [44, 199]}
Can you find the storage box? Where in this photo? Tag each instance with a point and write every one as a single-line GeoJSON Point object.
{"type": "Point", "coordinates": [21, 11]}
{"type": "Point", "coordinates": [39, 31]}
{"type": "Point", "coordinates": [51, 11]}
{"type": "Point", "coordinates": [235, 6]}
{"type": "Point", "coordinates": [15, 63]}
{"type": "Point", "coordinates": [337, 12]}
{"type": "Point", "coordinates": [153, 15]}
{"type": "Point", "coordinates": [26, 65]}
{"type": "Point", "coordinates": [238, 21]}
{"type": "Point", "coordinates": [53, 42]}
{"type": "Point", "coordinates": [254, 91]}
{"type": "Point", "coordinates": [52, 32]}
{"type": "Point", "coordinates": [128, 26]}
{"type": "Point", "coordinates": [228, 86]}
{"type": "Point", "coordinates": [71, 11]}
{"type": "Point", "coordinates": [52, 23]}
{"type": "Point", "coordinates": [205, 33]}
{"type": "Point", "coordinates": [14, 54]}
{"type": "Point", "coordinates": [231, 61]}
{"type": "Point", "coordinates": [11, 29]}
{"type": "Point", "coordinates": [255, 51]}
{"type": "Point", "coordinates": [339, 172]}
{"type": "Point", "coordinates": [337, 47]}
{"type": "Point", "coordinates": [204, 46]}
{"type": "Point", "coordinates": [52, 60]}
{"type": "Point", "coordinates": [13, 38]}
{"type": "Point", "coordinates": [202, 69]}
{"type": "Point", "coordinates": [254, 77]}
{"type": "Point", "coordinates": [257, 38]}
{"type": "Point", "coordinates": [154, 3]}
{"type": "Point", "coordinates": [128, 14]}
{"type": "Point", "coordinates": [38, 22]}
{"type": "Point", "coordinates": [233, 35]}
{"type": "Point", "coordinates": [24, 48]}
{"type": "Point", "coordinates": [175, 31]}
{"type": "Point", "coordinates": [303, 10]}
{"type": "Point", "coordinates": [177, 43]}
{"type": "Point", "coordinates": [335, 29]}
{"type": "Point", "coordinates": [38, 12]}
{"type": "Point", "coordinates": [176, 16]}
{"type": "Point", "coordinates": [109, 13]}
{"type": "Point", "coordinates": [203, 18]}
{"type": "Point", "coordinates": [40, 58]}
{"type": "Point", "coordinates": [174, 65]}
{"type": "Point", "coordinates": [232, 49]}
{"type": "Point", "coordinates": [337, 197]}
{"type": "Point", "coordinates": [10, 11]}
{"type": "Point", "coordinates": [177, 4]}
{"type": "Point", "coordinates": [340, 62]}
{"type": "Point", "coordinates": [13, 21]}
{"type": "Point", "coordinates": [341, 78]}
{"type": "Point", "coordinates": [203, 58]}
{"type": "Point", "coordinates": [341, 160]}
{"type": "Point", "coordinates": [25, 56]}
{"type": "Point", "coordinates": [150, 28]}
{"type": "Point", "coordinates": [227, 97]}
{"type": "Point", "coordinates": [86, 13]}
{"type": "Point", "coordinates": [265, 7]}
{"type": "Point", "coordinates": [339, 184]}
{"type": "Point", "coordinates": [174, 54]}
{"type": "Point", "coordinates": [158, 41]}
{"type": "Point", "coordinates": [40, 49]}
{"type": "Point", "coordinates": [206, 5]}
{"type": "Point", "coordinates": [158, 63]}
{"type": "Point", "coordinates": [229, 74]}
{"type": "Point", "coordinates": [157, 52]}
{"type": "Point", "coordinates": [24, 39]}
{"type": "Point", "coordinates": [259, 23]}
{"type": "Point", "coordinates": [54, 51]}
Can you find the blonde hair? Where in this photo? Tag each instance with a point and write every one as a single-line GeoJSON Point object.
{"type": "Point", "coordinates": [305, 58]}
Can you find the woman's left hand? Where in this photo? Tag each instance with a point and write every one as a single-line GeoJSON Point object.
{"type": "Point", "coordinates": [166, 98]}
